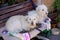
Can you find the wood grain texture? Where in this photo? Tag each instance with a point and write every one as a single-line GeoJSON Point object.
{"type": "Point", "coordinates": [18, 9]}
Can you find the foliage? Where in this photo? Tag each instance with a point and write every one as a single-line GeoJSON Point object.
{"type": "Point", "coordinates": [58, 18]}
{"type": "Point", "coordinates": [57, 7]}
{"type": "Point", "coordinates": [57, 4]}
{"type": "Point", "coordinates": [10, 2]}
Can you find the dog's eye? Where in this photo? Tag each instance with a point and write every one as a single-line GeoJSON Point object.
{"type": "Point", "coordinates": [34, 19]}
{"type": "Point", "coordinates": [42, 9]}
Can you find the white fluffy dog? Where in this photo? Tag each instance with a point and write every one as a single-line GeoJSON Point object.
{"type": "Point", "coordinates": [42, 11]}
{"type": "Point", "coordinates": [19, 23]}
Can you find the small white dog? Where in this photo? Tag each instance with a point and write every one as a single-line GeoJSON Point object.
{"type": "Point", "coordinates": [42, 11]}
{"type": "Point", "coordinates": [19, 23]}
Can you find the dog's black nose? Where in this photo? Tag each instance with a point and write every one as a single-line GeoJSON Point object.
{"type": "Point", "coordinates": [1, 38]}
{"type": "Point", "coordinates": [32, 23]}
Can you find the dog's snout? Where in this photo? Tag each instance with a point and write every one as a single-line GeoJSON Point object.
{"type": "Point", "coordinates": [32, 23]}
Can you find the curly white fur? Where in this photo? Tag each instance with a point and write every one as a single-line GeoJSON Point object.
{"type": "Point", "coordinates": [16, 24]}
{"type": "Point", "coordinates": [19, 23]}
{"type": "Point", "coordinates": [42, 12]}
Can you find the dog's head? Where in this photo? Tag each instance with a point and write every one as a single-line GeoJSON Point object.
{"type": "Point", "coordinates": [32, 19]}
{"type": "Point", "coordinates": [42, 10]}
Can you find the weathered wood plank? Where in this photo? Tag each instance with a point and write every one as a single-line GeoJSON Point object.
{"type": "Point", "coordinates": [18, 9]}
{"type": "Point", "coordinates": [7, 7]}
{"type": "Point", "coordinates": [15, 12]}
{"type": "Point", "coordinates": [14, 8]}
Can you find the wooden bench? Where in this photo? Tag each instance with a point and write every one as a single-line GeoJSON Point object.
{"type": "Point", "coordinates": [17, 9]}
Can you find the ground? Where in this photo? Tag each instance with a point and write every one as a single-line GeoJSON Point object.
{"type": "Point", "coordinates": [7, 37]}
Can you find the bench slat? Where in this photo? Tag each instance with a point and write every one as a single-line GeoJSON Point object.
{"type": "Point", "coordinates": [14, 10]}
{"type": "Point", "coordinates": [12, 13]}
{"type": "Point", "coordinates": [7, 7]}
{"type": "Point", "coordinates": [19, 12]}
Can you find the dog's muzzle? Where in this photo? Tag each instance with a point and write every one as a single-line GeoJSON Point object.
{"type": "Point", "coordinates": [32, 23]}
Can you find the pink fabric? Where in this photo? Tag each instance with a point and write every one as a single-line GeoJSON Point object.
{"type": "Point", "coordinates": [26, 36]}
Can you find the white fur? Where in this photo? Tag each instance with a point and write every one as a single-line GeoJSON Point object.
{"type": "Point", "coordinates": [33, 16]}
{"type": "Point", "coordinates": [42, 15]}
{"type": "Point", "coordinates": [42, 12]}
{"type": "Point", "coordinates": [42, 7]}
{"type": "Point", "coordinates": [48, 24]}
{"type": "Point", "coordinates": [19, 23]}
{"type": "Point", "coordinates": [16, 24]}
